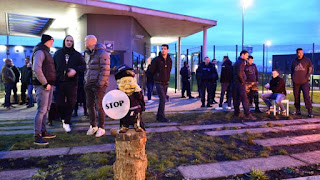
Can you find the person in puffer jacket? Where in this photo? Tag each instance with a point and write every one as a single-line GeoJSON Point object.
{"type": "Point", "coordinates": [96, 82]}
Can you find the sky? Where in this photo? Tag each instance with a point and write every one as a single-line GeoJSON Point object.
{"type": "Point", "coordinates": [282, 22]}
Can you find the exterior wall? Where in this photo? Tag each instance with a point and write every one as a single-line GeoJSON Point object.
{"type": "Point", "coordinates": [139, 44]}
{"type": "Point", "coordinates": [78, 31]}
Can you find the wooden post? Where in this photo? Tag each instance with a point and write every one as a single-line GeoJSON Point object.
{"type": "Point", "coordinates": [131, 159]}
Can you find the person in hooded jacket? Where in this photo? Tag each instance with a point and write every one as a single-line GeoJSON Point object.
{"type": "Point", "coordinates": [68, 63]}
{"type": "Point", "coordinates": [301, 70]}
{"type": "Point", "coordinates": [207, 74]}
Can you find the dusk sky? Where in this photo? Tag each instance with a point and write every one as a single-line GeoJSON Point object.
{"type": "Point", "coordinates": [281, 22]}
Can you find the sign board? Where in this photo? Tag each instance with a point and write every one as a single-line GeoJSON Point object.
{"type": "Point", "coordinates": [109, 45]}
{"type": "Point", "coordinates": [248, 48]}
{"type": "Point", "coordinates": [116, 104]}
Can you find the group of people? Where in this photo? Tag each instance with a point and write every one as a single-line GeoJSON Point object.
{"type": "Point", "coordinates": [10, 76]}
{"type": "Point", "coordinates": [240, 83]}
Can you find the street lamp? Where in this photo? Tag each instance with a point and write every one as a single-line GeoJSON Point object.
{"type": "Point", "coordinates": [268, 43]}
{"type": "Point", "coordinates": [245, 4]}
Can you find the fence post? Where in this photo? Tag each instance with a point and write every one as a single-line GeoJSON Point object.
{"type": "Point", "coordinates": [214, 51]}
{"type": "Point", "coordinates": [312, 73]}
{"type": "Point", "coordinates": [175, 68]}
{"type": "Point", "coordinates": [263, 68]}
{"type": "Point", "coordinates": [236, 52]}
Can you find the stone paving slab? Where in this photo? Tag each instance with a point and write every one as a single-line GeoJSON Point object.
{"type": "Point", "coordinates": [16, 127]}
{"type": "Point", "coordinates": [298, 127]}
{"type": "Point", "coordinates": [259, 123]}
{"type": "Point", "coordinates": [211, 126]}
{"type": "Point", "coordinates": [91, 149]}
{"type": "Point", "coordinates": [311, 120]}
{"type": "Point", "coordinates": [35, 153]}
{"type": "Point", "coordinates": [278, 141]}
{"type": "Point", "coordinates": [15, 122]}
{"type": "Point", "coordinates": [227, 168]}
{"type": "Point", "coordinates": [308, 157]}
{"type": "Point", "coordinates": [305, 178]}
{"type": "Point", "coordinates": [16, 132]}
{"type": "Point", "coordinates": [240, 131]}
{"type": "Point", "coordinates": [162, 129]}
{"type": "Point", "coordinates": [17, 174]}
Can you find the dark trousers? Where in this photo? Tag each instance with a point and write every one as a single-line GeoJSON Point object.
{"type": "Point", "coordinates": [214, 88]}
{"type": "Point", "coordinates": [24, 87]}
{"type": "Point", "coordinates": [305, 88]}
{"type": "Point", "coordinates": [252, 93]}
{"type": "Point", "coordinates": [162, 93]}
{"type": "Point", "coordinates": [8, 87]}
{"type": "Point", "coordinates": [94, 98]}
{"type": "Point", "coordinates": [240, 95]}
{"type": "Point", "coordinates": [206, 85]}
{"type": "Point", "coordinates": [186, 87]}
{"type": "Point", "coordinates": [66, 97]}
{"type": "Point", "coordinates": [199, 86]}
{"type": "Point", "coordinates": [15, 96]}
{"type": "Point", "coordinates": [150, 86]}
{"type": "Point", "coordinates": [225, 88]}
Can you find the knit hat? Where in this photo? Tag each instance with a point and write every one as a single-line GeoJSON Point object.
{"type": "Point", "coordinates": [124, 71]}
{"type": "Point", "coordinates": [45, 38]}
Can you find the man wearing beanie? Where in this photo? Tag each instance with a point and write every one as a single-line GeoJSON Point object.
{"type": "Point", "coordinates": [44, 77]}
{"type": "Point", "coordinates": [96, 82]}
{"type": "Point", "coordinates": [69, 63]}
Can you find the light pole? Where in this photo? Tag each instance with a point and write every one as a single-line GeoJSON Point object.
{"type": "Point", "coordinates": [268, 43]}
{"type": "Point", "coordinates": [245, 4]}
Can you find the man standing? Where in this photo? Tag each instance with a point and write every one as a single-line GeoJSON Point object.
{"type": "Point", "coordinates": [239, 90]}
{"type": "Point", "coordinates": [206, 71]}
{"type": "Point", "coordinates": [301, 70]}
{"type": "Point", "coordinates": [252, 83]}
{"type": "Point", "coordinates": [17, 75]}
{"type": "Point", "coordinates": [68, 63]}
{"type": "Point", "coordinates": [160, 68]}
{"type": "Point", "coordinates": [44, 77]}
{"type": "Point", "coordinates": [8, 78]}
{"type": "Point", "coordinates": [185, 78]}
{"type": "Point", "coordinates": [24, 80]}
{"type": "Point", "coordinates": [150, 82]}
{"type": "Point", "coordinates": [226, 82]}
{"type": "Point", "coordinates": [214, 82]}
{"type": "Point", "coordinates": [96, 82]}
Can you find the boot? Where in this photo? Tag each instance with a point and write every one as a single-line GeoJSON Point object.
{"type": "Point", "coordinates": [85, 112]}
{"type": "Point", "coordinates": [257, 110]}
{"type": "Point", "coordinates": [75, 113]}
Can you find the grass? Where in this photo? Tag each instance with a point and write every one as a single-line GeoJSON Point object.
{"type": "Point", "coordinates": [257, 174]}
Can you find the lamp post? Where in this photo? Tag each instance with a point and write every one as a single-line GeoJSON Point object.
{"type": "Point", "coordinates": [268, 43]}
{"type": "Point", "coordinates": [245, 4]}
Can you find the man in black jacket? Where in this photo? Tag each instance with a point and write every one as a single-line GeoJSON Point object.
{"type": "Point", "coordinates": [17, 74]}
{"type": "Point", "coordinates": [160, 68]}
{"type": "Point", "coordinates": [185, 78]}
{"type": "Point", "coordinates": [252, 83]}
{"type": "Point", "coordinates": [239, 90]}
{"type": "Point", "coordinates": [226, 82]}
{"type": "Point", "coordinates": [277, 86]}
{"type": "Point", "coordinates": [207, 75]}
{"type": "Point", "coordinates": [214, 82]}
{"type": "Point", "coordinates": [68, 63]}
{"type": "Point", "coordinates": [301, 70]}
{"type": "Point", "coordinates": [24, 80]}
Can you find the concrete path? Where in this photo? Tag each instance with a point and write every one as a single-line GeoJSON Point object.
{"type": "Point", "coordinates": [18, 174]}
{"type": "Point", "coordinates": [289, 140]}
{"type": "Point", "coordinates": [45, 152]}
{"type": "Point", "coordinates": [228, 168]}
{"type": "Point", "coordinates": [306, 178]}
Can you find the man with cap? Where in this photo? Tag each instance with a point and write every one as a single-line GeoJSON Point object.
{"type": "Point", "coordinates": [96, 82]}
{"type": "Point", "coordinates": [68, 63]}
{"type": "Point", "coordinates": [8, 78]}
{"type": "Point", "coordinates": [44, 77]}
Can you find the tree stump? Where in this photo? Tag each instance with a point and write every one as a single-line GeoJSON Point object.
{"type": "Point", "coordinates": [131, 159]}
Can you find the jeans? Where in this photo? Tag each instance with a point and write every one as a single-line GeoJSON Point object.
{"type": "Point", "coordinates": [186, 87]}
{"type": "Point", "coordinates": [30, 95]}
{"type": "Point", "coordinates": [225, 87]}
{"type": "Point", "coordinates": [206, 84]}
{"type": "Point", "coordinates": [44, 99]}
{"type": "Point", "coordinates": [305, 88]}
{"type": "Point", "coordinates": [213, 90]}
{"type": "Point", "coordinates": [24, 87]}
{"type": "Point", "coordinates": [162, 93]}
{"type": "Point", "coordinates": [15, 96]}
{"type": "Point", "coordinates": [66, 99]}
{"type": "Point", "coordinates": [266, 97]}
{"type": "Point", "coordinates": [240, 95]}
{"type": "Point", "coordinates": [94, 98]}
{"type": "Point", "coordinates": [150, 89]}
{"type": "Point", "coordinates": [8, 87]}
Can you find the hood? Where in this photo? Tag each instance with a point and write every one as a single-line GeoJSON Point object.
{"type": "Point", "coordinates": [100, 46]}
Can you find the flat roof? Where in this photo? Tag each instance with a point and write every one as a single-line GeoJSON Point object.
{"type": "Point", "coordinates": [162, 26]}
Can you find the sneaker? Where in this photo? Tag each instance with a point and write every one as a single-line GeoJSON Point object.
{"type": "Point", "coordinates": [208, 105]}
{"type": "Point", "coordinates": [66, 127]}
{"type": "Point", "coordinates": [38, 140]}
{"type": "Point", "coordinates": [310, 115]}
{"type": "Point", "coordinates": [229, 108]}
{"type": "Point", "coordinates": [183, 97]}
{"type": "Point", "coordinates": [92, 130]}
{"type": "Point", "coordinates": [47, 135]}
{"type": "Point", "coordinates": [191, 97]}
{"type": "Point", "coordinates": [251, 117]}
{"type": "Point", "coordinates": [100, 132]}
{"type": "Point", "coordinates": [296, 113]}
{"type": "Point", "coordinates": [269, 110]}
{"type": "Point", "coordinates": [257, 110]}
{"type": "Point", "coordinates": [150, 101]}
{"type": "Point", "coordinates": [218, 108]}
{"type": "Point", "coordinates": [203, 105]}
